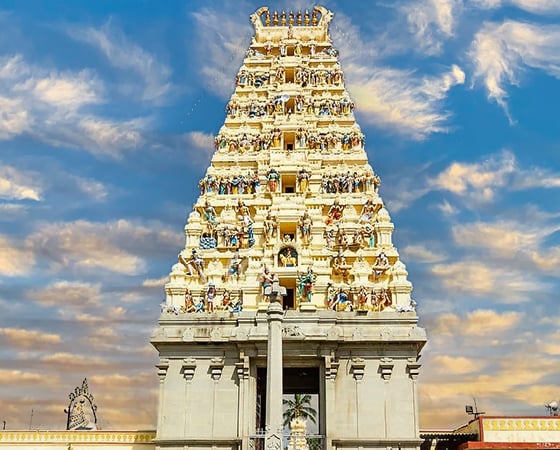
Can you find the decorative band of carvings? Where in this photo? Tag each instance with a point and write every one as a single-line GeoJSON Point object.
{"type": "Point", "coordinates": [393, 442]}
{"type": "Point", "coordinates": [528, 424]}
{"type": "Point", "coordinates": [211, 442]}
{"type": "Point", "coordinates": [54, 437]}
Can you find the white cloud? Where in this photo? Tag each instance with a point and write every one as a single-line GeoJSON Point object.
{"type": "Point", "coordinates": [92, 188]}
{"type": "Point", "coordinates": [220, 40]}
{"type": "Point", "coordinates": [532, 6]}
{"type": "Point", "coordinates": [499, 282]}
{"type": "Point", "coordinates": [481, 182]}
{"type": "Point", "coordinates": [19, 185]}
{"type": "Point", "coordinates": [482, 322]}
{"type": "Point", "coordinates": [431, 22]}
{"type": "Point", "coordinates": [455, 365]}
{"type": "Point", "coordinates": [400, 100]}
{"type": "Point", "coordinates": [500, 52]}
{"type": "Point", "coordinates": [84, 245]}
{"type": "Point", "coordinates": [155, 282]}
{"type": "Point", "coordinates": [110, 137]}
{"type": "Point", "coordinates": [422, 254]}
{"type": "Point", "coordinates": [447, 209]}
{"type": "Point", "coordinates": [24, 338]}
{"type": "Point", "coordinates": [53, 107]}
{"type": "Point", "coordinates": [14, 261]}
{"type": "Point", "coordinates": [477, 180]}
{"type": "Point", "coordinates": [66, 91]}
{"type": "Point", "coordinates": [503, 238]}
{"type": "Point", "coordinates": [129, 57]}
{"type": "Point", "coordinates": [67, 294]}
{"type": "Point", "coordinates": [14, 118]}
{"type": "Point", "coordinates": [118, 246]}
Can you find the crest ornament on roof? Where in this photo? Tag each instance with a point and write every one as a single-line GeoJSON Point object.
{"type": "Point", "coordinates": [81, 412]}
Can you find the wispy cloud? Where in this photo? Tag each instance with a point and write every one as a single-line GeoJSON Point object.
{"type": "Point", "coordinates": [130, 58]}
{"type": "Point", "coordinates": [119, 246]}
{"type": "Point", "coordinates": [155, 282]}
{"type": "Point", "coordinates": [14, 118]}
{"type": "Point", "coordinates": [472, 183]}
{"type": "Point", "coordinates": [482, 322]}
{"type": "Point", "coordinates": [432, 22]}
{"type": "Point", "coordinates": [422, 254]}
{"type": "Point", "coordinates": [220, 40]}
{"type": "Point", "coordinates": [92, 188]}
{"type": "Point", "coordinates": [472, 278]}
{"type": "Point", "coordinates": [67, 294]}
{"type": "Point", "coordinates": [456, 364]}
{"type": "Point", "coordinates": [500, 52]}
{"type": "Point", "coordinates": [532, 6]}
{"type": "Point", "coordinates": [401, 100]}
{"type": "Point", "coordinates": [19, 185]}
{"type": "Point", "coordinates": [480, 182]}
{"type": "Point", "coordinates": [26, 339]}
{"type": "Point", "coordinates": [14, 260]}
{"type": "Point", "coordinates": [55, 107]}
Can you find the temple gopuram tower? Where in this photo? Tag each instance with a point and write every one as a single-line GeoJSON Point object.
{"type": "Point", "coordinates": [289, 286]}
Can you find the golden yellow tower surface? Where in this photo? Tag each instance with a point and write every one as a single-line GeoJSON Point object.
{"type": "Point", "coordinates": [289, 194]}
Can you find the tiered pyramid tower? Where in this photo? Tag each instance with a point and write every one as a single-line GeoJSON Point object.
{"type": "Point", "coordinates": [289, 199]}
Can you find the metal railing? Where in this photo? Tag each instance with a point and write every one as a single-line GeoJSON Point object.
{"type": "Point", "coordinates": [314, 441]}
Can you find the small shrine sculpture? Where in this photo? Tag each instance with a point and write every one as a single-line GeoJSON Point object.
{"type": "Point", "coordinates": [81, 411]}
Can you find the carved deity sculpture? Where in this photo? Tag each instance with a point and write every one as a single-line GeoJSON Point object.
{"type": "Point", "coordinates": [270, 227]}
{"type": "Point", "coordinates": [335, 212]}
{"type": "Point", "coordinates": [305, 285]}
{"type": "Point", "coordinates": [303, 180]}
{"type": "Point", "coordinates": [273, 178]}
{"type": "Point", "coordinates": [305, 225]}
{"type": "Point", "coordinates": [194, 265]}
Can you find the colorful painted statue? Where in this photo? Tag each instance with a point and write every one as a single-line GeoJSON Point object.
{"type": "Point", "coordinates": [305, 285]}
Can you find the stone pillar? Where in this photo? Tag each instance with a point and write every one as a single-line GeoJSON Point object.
{"type": "Point", "coordinates": [275, 317]}
{"type": "Point", "coordinates": [162, 368]}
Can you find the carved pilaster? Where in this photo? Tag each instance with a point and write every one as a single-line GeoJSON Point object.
{"type": "Point", "coordinates": [331, 367]}
{"type": "Point", "coordinates": [413, 368]}
{"type": "Point", "coordinates": [386, 368]}
{"type": "Point", "coordinates": [357, 368]}
{"type": "Point", "coordinates": [188, 369]}
{"type": "Point", "coordinates": [216, 367]}
{"type": "Point", "coordinates": [242, 367]}
{"type": "Point", "coordinates": [162, 369]}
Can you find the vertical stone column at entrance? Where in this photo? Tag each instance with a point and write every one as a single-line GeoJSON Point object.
{"type": "Point", "coordinates": [274, 369]}
{"type": "Point", "coordinates": [274, 385]}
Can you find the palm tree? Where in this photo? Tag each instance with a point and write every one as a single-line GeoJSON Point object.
{"type": "Point", "coordinates": [298, 407]}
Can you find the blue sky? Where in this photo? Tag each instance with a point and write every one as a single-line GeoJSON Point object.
{"type": "Point", "coordinates": [107, 116]}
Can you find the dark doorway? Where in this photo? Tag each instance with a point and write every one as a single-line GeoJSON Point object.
{"type": "Point", "coordinates": [295, 380]}
{"type": "Point", "coordinates": [300, 380]}
{"type": "Point", "coordinates": [289, 301]}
